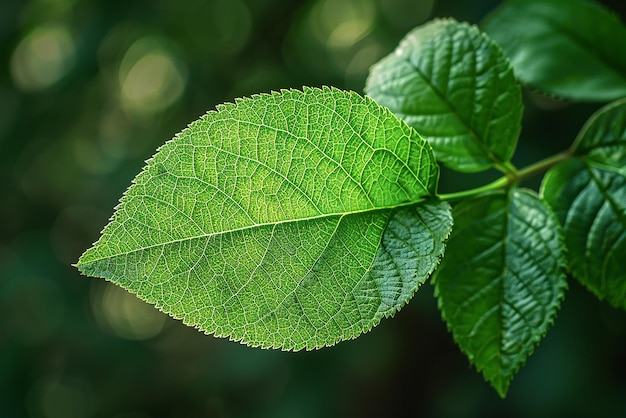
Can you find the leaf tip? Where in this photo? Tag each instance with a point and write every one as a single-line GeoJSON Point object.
{"type": "Point", "coordinates": [502, 387]}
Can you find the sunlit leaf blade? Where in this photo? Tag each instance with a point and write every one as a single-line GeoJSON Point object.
{"type": "Point", "coordinates": [502, 280]}
{"type": "Point", "coordinates": [570, 48]}
{"type": "Point", "coordinates": [264, 220]}
{"type": "Point", "coordinates": [456, 88]}
{"type": "Point", "coordinates": [588, 196]}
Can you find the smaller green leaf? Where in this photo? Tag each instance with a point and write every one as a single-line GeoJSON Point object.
{"type": "Point", "coordinates": [603, 138]}
{"type": "Point", "coordinates": [455, 87]}
{"type": "Point", "coordinates": [502, 280]}
{"type": "Point", "coordinates": [590, 202]}
{"type": "Point", "coordinates": [569, 48]}
{"type": "Point", "coordinates": [588, 196]}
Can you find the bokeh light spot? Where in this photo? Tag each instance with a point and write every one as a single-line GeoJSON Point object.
{"type": "Point", "coordinates": [151, 77]}
{"type": "Point", "coordinates": [125, 316]}
{"type": "Point", "coordinates": [43, 57]}
{"type": "Point", "coordinates": [347, 33]}
{"type": "Point", "coordinates": [341, 23]}
{"type": "Point", "coordinates": [364, 58]}
{"type": "Point", "coordinates": [232, 25]}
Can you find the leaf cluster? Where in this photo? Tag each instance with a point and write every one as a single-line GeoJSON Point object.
{"type": "Point", "coordinates": [298, 219]}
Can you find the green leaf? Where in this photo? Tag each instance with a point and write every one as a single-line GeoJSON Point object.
{"type": "Point", "coordinates": [588, 196]}
{"type": "Point", "coordinates": [282, 220]}
{"type": "Point", "coordinates": [569, 48]}
{"type": "Point", "coordinates": [502, 280]}
{"type": "Point", "coordinates": [603, 138]}
{"type": "Point", "coordinates": [454, 86]}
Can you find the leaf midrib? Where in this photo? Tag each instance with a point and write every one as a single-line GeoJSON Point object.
{"type": "Point", "coordinates": [329, 158]}
{"type": "Point", "coordinates": [619, 213]}
{"type": "Point", "coordinates": [248, 227]}
{"type": "Point", "coordinates": [473, 134]}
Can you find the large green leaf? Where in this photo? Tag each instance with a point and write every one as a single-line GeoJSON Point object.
{"type": "Point", "coordinates": [456, 88]}
{"type": "Point", "coordinates": [570, 48]}
{"type": "Point", "coordinates": [502, 280]}
{"type": "Point", "coordinates": [588, 195]}
{"type": "Point", "coordinates": [282, 220]}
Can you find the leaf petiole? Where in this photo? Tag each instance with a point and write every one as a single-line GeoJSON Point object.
{"type": "Point", "coordinates": [506, 168]}
{"type": "Point", "coordinates": [542, 166]}
{"type": "Point", "coordinates": [500, 183]}
{"type": "Point", "coordinates": [513, 177]}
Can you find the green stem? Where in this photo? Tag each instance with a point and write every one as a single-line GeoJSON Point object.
{"type": "Point", "coordinates": [511, 178]}
{"type": "Point", "coordinates": [542, 166]}
{"type": "Point", "coordinates": [506, 168]}
{"type": "Point", "coordinates": [498, 184]}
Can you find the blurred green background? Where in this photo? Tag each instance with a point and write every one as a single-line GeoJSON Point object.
{"type": "Point", "coordinates": [90, 88]}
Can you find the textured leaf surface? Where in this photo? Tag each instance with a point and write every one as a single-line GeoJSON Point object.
{"type": "Point", "coordinates": [588, 196]}
{"type": "Point", "coordinates": [502, 280]}
{"type": "Point", "coordinates": [264, 220]}
{"type": "Point", "coordinates": [455, 87]}
{"type": "Point", "coordinates": [603, 138]}
{"type": "Point", "coordinates": [570, 48]}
